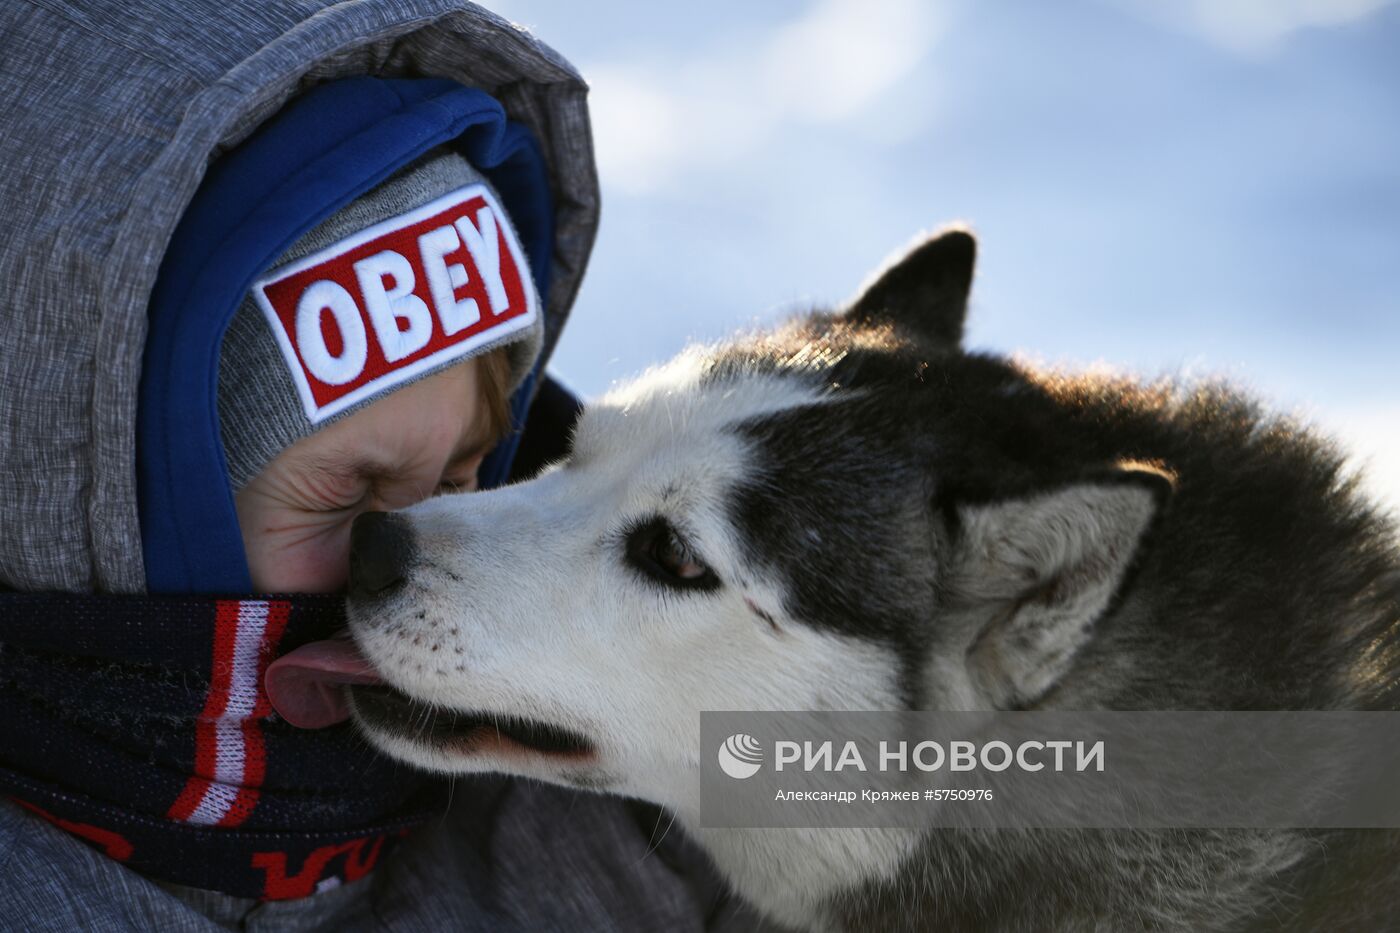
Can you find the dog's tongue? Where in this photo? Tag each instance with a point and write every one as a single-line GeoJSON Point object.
{"type": "Point", "coordinates": [307, 686]}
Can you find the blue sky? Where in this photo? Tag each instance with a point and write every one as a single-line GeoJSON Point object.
{"type": "Point", "coordinates": [1203, 187]}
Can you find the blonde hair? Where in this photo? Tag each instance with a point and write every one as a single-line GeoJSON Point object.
{"type": "Point", "coordinates": [493, 382]}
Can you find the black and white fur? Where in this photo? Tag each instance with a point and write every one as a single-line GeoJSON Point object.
{"type": "Point", "coordinates": [885, 521]}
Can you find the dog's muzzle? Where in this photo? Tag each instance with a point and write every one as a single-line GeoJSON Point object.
{"type": "Point", "coordinates": [381, 552]}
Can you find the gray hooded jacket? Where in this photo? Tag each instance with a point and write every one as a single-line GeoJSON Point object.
{"type": "Point", "coordinates": [113, 112]}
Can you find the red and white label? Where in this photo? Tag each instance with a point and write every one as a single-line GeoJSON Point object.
{"type": "Point", "coordinates": [398, 299]}
{"type": "Point", "coordinates": [230, 758]}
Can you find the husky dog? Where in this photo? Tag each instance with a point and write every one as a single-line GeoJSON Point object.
{"type": "Point", "coordinates": [853, 512]}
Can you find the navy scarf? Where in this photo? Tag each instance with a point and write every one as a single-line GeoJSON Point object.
{"type": "Point", "coordinates": [140, 725]}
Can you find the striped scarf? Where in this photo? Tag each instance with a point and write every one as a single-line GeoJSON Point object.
{"type": "Point", "coordinates": [139, 724]}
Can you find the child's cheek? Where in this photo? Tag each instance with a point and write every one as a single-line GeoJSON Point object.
{"type": "Point", "coordinates": [296, 550]}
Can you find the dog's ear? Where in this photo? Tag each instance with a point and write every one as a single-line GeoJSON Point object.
{"type": "Point", "coordinates": [1036, 572]}
{"type": "Point", "coordinates": [924, 289]}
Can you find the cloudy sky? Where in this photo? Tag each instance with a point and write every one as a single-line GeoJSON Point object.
{"type": "Point", "coordinates": [1203, 187]}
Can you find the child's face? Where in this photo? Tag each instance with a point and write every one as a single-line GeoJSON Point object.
{"type": "Point", "coordinates": [424, 438]}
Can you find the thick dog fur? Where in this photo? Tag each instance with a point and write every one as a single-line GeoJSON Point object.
{"type": "Point", "coordinates": [890, 522]}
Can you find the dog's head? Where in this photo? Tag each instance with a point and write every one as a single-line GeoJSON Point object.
{"type": "Point", "coordinates": [816, 518]}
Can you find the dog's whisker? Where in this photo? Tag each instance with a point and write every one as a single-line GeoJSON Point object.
{"type": "Point", "coordinates": [655, 842]}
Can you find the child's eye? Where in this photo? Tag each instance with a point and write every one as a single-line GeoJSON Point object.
{"type": "Point", "coordinates": [461, 475]}
{"type": "Point", "coordinates": [459, 483]}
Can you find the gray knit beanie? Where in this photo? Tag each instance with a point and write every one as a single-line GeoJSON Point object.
{"type": "Point", "coordinates": [417, 275]}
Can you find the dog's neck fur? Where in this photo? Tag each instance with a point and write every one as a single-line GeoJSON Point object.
{"type": "Point", "coordinates": [893, 879]}
{"type": "Point", "coordinates": [797, 876]}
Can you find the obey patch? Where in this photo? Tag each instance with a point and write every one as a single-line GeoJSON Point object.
{"type": "Point", "coordinates": [397, 299]}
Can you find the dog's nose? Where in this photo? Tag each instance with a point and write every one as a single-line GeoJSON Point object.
{"type": "Point", "coordinates": [381, 549]}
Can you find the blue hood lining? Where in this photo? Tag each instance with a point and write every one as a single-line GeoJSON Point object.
{"type": "Point", "coordinates": [322, 151]}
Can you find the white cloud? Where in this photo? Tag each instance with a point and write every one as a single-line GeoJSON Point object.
{"type": "Point", "coordinates": [637, 128]}
{"type": "Point", "coordinates": [833, 61]}
{"type": "Point", "coordinates": [1252, 26]}
{"type": "Point", "coordinates": [653, 120]}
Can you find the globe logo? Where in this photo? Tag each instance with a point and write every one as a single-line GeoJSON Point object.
{"type": "Point", "coordinates": [740, 756]}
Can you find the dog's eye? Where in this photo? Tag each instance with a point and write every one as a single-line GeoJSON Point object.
{"type": "Point", "coordinates": [658, 550]}
{"type": "Point", "coordinates": [676, 557]}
